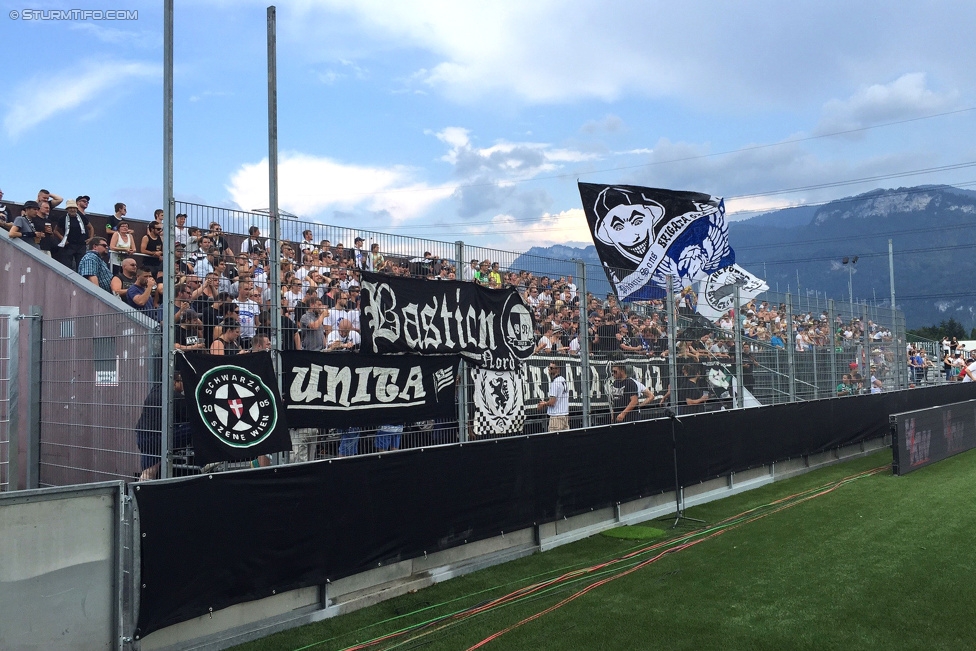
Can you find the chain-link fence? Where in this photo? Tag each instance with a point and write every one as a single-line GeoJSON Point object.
{"type": "Point", "coordinates": [100, 373]}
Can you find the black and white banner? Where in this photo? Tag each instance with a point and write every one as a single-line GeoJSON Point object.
{"type": "Point", "coordinates": [498, 404]}
{"type": "Point", "coordinates": [643, 235]}
{"type": "Point", "coordinates": [651, 372]}
{"type": "Point", "coordinates": [356, 390]}
{"type": "Point", "coordinates": [234, 406]}
{"type": "Point", "coordinates": [716, 294]}
{"type": "Point", "coordinates": [493, 328]}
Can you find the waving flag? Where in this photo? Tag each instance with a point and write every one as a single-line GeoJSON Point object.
{"type": "Point", "coordinates": [644, 235]}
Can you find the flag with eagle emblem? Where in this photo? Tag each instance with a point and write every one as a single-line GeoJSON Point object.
{"type": "Point", "coordinates": [235, 408]}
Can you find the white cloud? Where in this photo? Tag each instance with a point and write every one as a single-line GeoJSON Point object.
{"type": "Point", "coordinates": [713, 55]}
{"type": "Point", "coordinates": [552, 228]}
{"type": "Point", "coordinates": [904, 98]}
{"type": "Point", "coordinates": [309, 185]}
{"type": "Point", "coordinates": [76, 87]}
{"type": "Point", "coordinates": [609, 124]}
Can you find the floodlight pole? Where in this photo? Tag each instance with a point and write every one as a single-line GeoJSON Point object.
{"type": "Point", "coordinates": [169, 205]}
{"type": "Point", "coordinates": [275, 223]}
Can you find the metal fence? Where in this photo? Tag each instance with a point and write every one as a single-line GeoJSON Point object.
{"type": "Point", "coordinates": [98, 372]}
{"type": "Point", "coordinates": [8, 398]}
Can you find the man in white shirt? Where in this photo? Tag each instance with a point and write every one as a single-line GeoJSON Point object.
{"type": "Point", "coordinates": [343, 338]}
{"type": "Point", "coordinates": [557, 406]}
{"type": "Point", "coordinates": [969, 372]}
{"type": "Point", "coordinates": [182, 233]}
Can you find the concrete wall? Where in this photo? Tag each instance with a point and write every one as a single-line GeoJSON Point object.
{"type": "Point", "coordinates": [59, 569]}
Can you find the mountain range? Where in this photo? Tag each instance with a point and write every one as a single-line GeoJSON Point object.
{"type": "Point", "coordinates": [932, 229]}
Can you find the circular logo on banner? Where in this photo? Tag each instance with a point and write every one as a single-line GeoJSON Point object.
{"type": "Point", "coordinates": [517, 322]}
{"type": "Point", "coordinates": [236, 406]}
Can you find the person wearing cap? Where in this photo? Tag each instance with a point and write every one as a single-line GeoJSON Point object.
{"type": "Point", "coordinates": [181, 234]}
{"type": "Point", "coordinates": [82, 203]}
{"type": "Point", "coordinates": [183, 266]}
{"type": "Point", "coordinates": [23, 226]}
{"type": "Point", "coordinates": [359, 256]}
{"type": "Point", "coordinates": [73, 232]}
{"type": "Point", "coordinates": [93, 265]}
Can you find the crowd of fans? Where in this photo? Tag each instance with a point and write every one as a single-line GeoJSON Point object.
{"type": "Point", "coordinates": [223, 298]}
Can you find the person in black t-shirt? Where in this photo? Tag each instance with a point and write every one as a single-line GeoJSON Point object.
{"type": "Point", "coordinates": [623, 395]}
{"type": "Point", "coordinates": [692, 392]}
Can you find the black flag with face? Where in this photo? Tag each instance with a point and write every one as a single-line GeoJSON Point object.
{"type": "Point", "coordinates": [235, 409]}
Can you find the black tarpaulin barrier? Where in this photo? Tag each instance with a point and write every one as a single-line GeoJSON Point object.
{"type": "Point", "coordinates": [217, 540]}
{"type": "Point", "coordinates": [214, 541]}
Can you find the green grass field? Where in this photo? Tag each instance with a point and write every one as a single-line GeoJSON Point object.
{"type": "Point", "coordinates": [880, 562]}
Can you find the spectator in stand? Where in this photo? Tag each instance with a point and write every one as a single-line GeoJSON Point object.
{"type": "Point", "coordinates": [626, 343]}
{"type": "Point", "coordinates": [468, 272]}
{"type": "Point", "coordinates": [23, 226]}
{"type": "Point", "coordinates": [189, 330]}
{"type": "Point", "coordinates": [82, 203]}
{"type": "Point", "coordinates": [74, 232]}
{"type": "Point", "coordinates": [112, 223]}
{"type": "Point", "coordinates": [253, 242]}
{"type": "Point", "coordinates": [5, 222]}
{"type": "Point", "coordinates": [377, 262]}
{"type": "Point", "coordinates": [603, 337]}
{"type": "Point", "coordinates": [181, 234]}
{"type": "Point", "coordinates": [248, 310]}
{"type": "Point", "coordinates": [93, 266]}
{"type": "Point", "coordinates": [183, 267]}
{"type": "Point", "coordinates": [483, 273]}
{"type": "Point", "coordinates": [142, 294]}
{"type": "Point", "coordinates": [124, 278]}
{"type": "Point", "coordinates": [549, 342]}
{"type": "Point", "coordinates": [216, 235]}
{"type": "Point", "coordinates": [43, 224]}
{"type": "Point", "coordinates": [152, 247]}
{"type": "Point", "coordinates": [358, 255]}
{"type": "Point", "coordinates": [845, 388]}
{"type": "Point", "coordinates": [122, 245]}
{"type": "Point", "coordinates": [343, 338]}
{"type": "Point", "coordinates": [228, 343]}
{"type": "Point", "coordinates": [308, 245]}
{"type": "Point", "coordinates": [312, 333]}
{"type": "Point", "coordinates": [52, 200]}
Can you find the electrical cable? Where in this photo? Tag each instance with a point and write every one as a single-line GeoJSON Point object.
{"type": "Point", "coordinates": [601, 573]}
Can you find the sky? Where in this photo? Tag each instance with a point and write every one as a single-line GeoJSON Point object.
{"type": "Point", "coordinates": [473, 121]}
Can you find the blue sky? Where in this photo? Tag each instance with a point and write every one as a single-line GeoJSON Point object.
{"type": "Point", "coordinates": [473, 121]}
